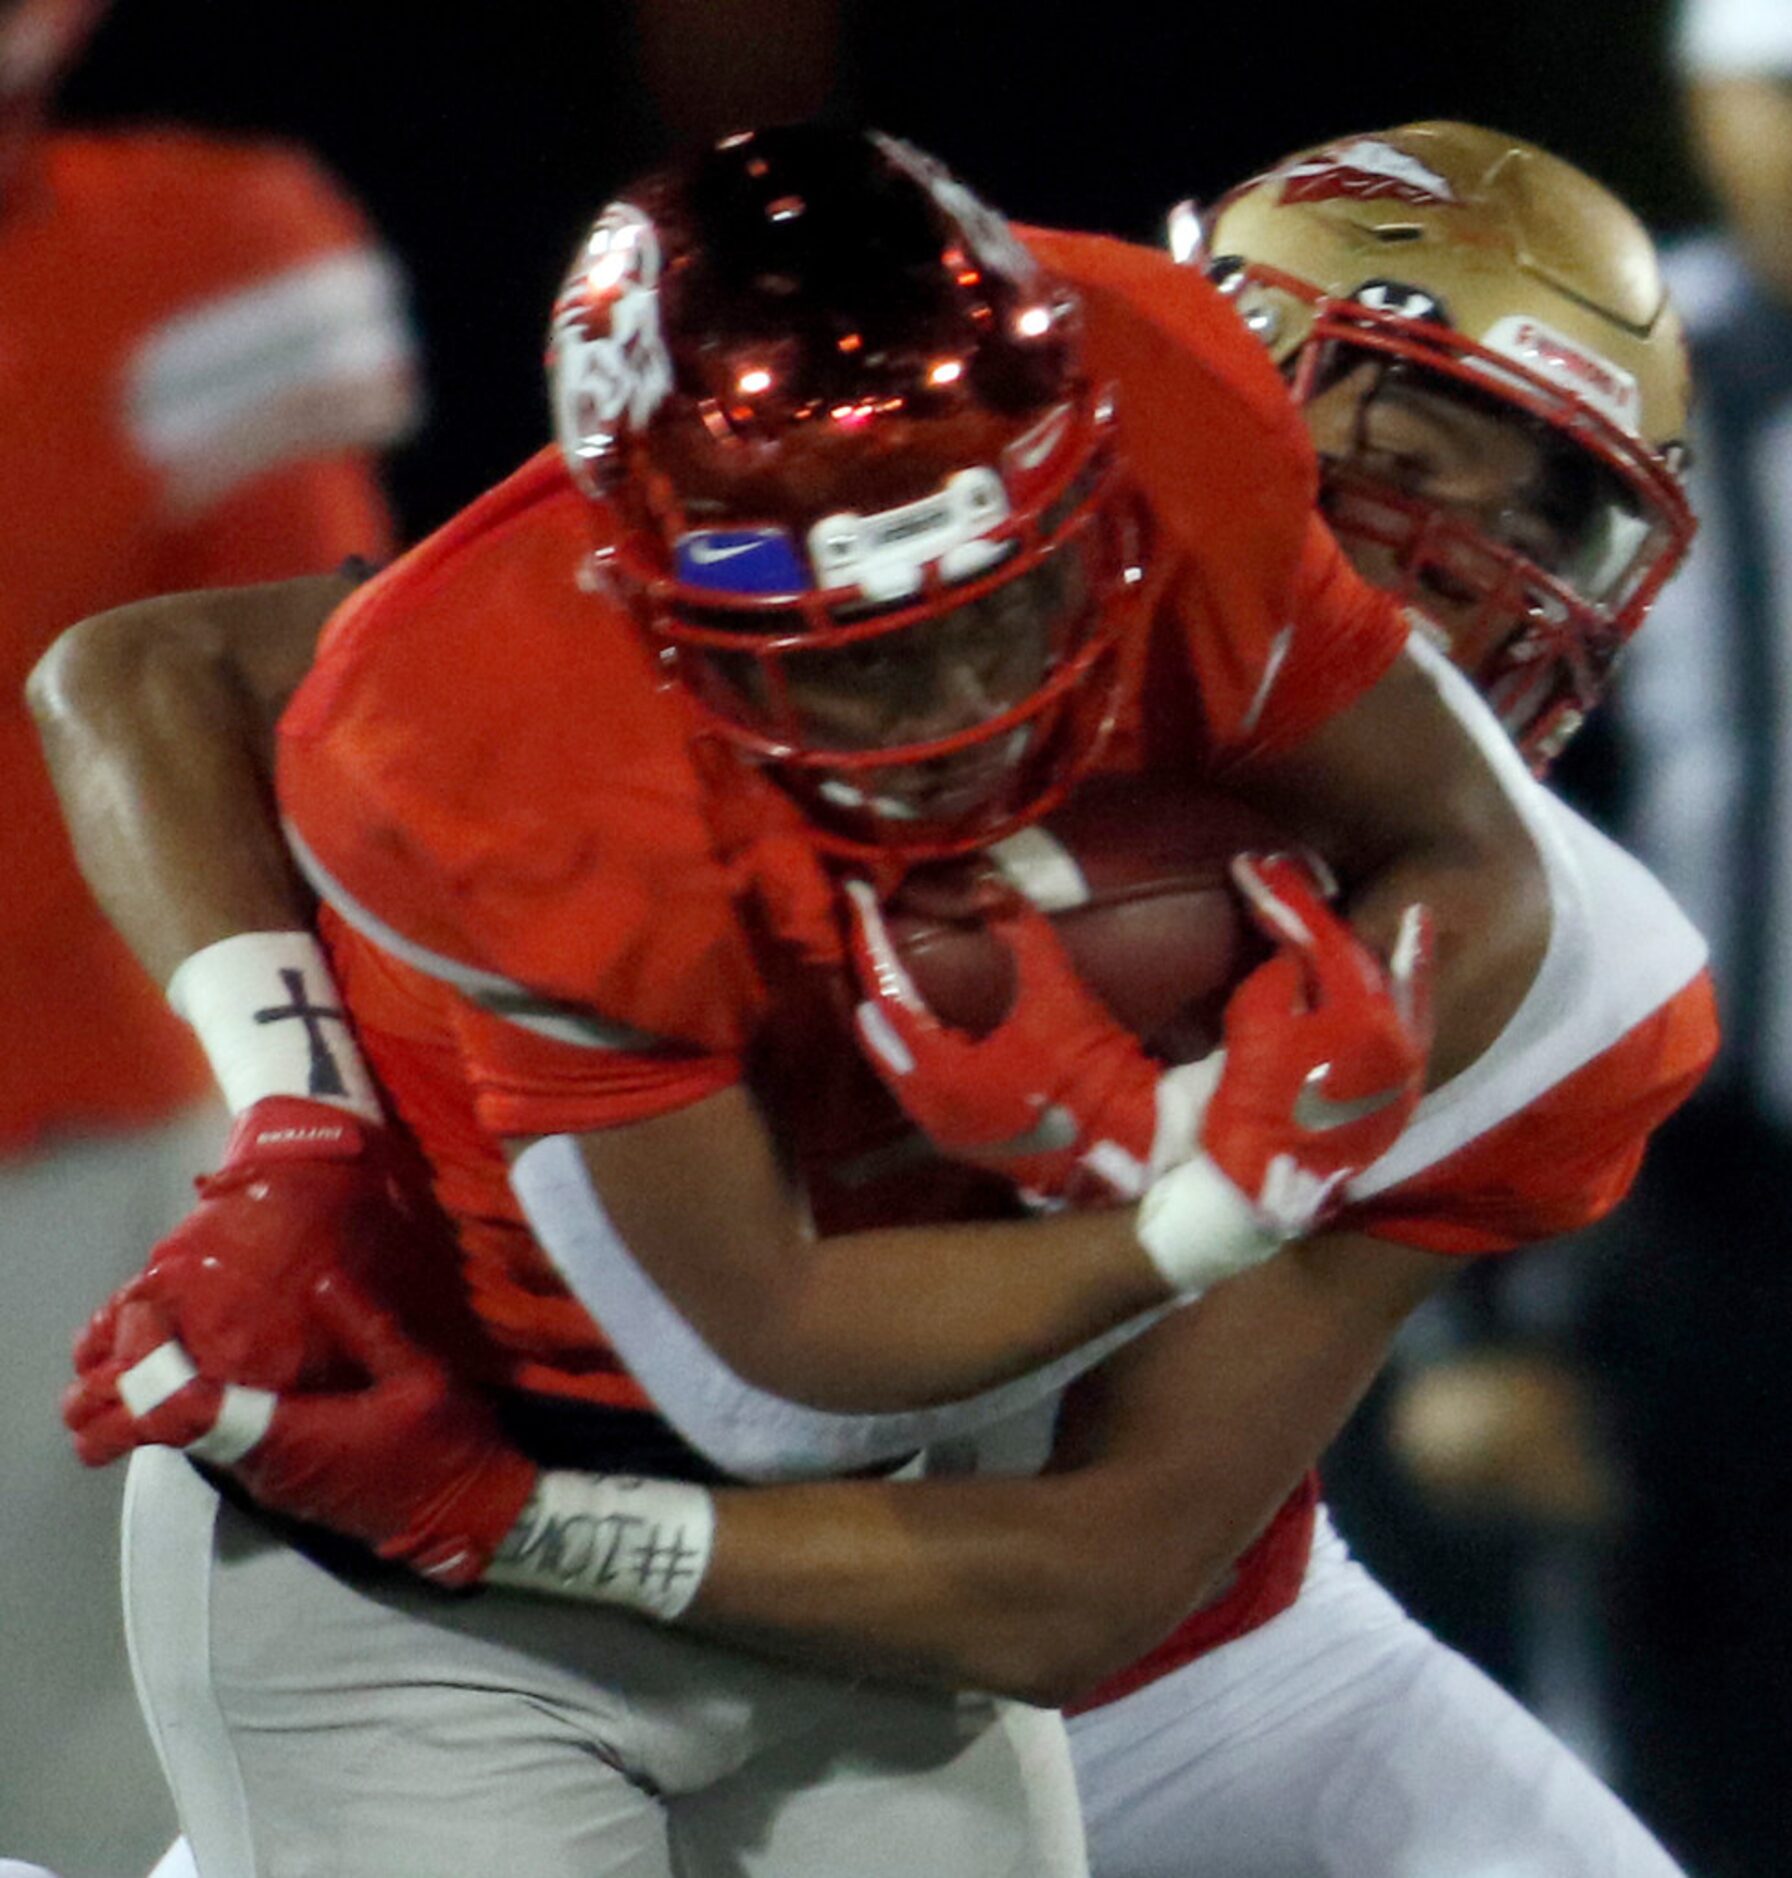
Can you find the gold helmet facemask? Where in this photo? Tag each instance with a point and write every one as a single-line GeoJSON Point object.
{"type": "Point", "coordinates": [1451, 267]}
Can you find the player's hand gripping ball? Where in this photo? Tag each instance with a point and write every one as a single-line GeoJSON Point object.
{"type": "Point", "coordinates": [1325, 1050]}
{"type": "Point", "coordinates": [1058, 1096]}
{"type": "Point", "coordinates": [1045, 1016]}
{"type": "Point", "coordinates": [1076, 1054]}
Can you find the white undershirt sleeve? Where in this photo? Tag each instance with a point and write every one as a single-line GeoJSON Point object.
{"type": "Point", "coordinates": [743, 1429]}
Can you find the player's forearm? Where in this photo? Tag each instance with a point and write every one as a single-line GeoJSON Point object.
{"type": "Point", "coordinates": [1175, 1456]}
{"type": "Point", "coordinates": [985, 1584]}
{"type": "Point", "coordinates": [858, 1324]}
{"type": "Point", "coordinates": [917, 1315]}
{"type": "Point", "coordinates": [993, 1584]}
{"type": "Point", "coordinates": [1413, 795]}
{"type": "Point", "coordinates": [905, 1318]}
{"type": "Point", "coordinates": [157, 722]}
{"type": "Point", "coordinates": [697, 1202]}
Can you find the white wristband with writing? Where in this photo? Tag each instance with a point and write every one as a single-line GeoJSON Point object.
{"type": "Point", "coordinates": [267, 1013]}
{"type": "Point", "coordinates": [610, 1539]}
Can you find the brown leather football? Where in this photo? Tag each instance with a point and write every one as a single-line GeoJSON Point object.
{"type": "Point", "coordinates": [1133, 872]}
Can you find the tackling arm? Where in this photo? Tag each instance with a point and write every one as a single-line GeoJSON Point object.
{"type": "Point", "coordinates": [1410, 793]}
{"type": "Point", "coordinates": [1173, 1456]}
{"type": "Point", "coordinates": [157, 722]}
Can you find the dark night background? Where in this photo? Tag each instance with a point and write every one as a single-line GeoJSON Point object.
{"type": "Point", "coordinates": [482, 138]}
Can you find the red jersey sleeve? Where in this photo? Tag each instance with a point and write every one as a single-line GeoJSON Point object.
{"type": "Point", "coordinates": [274, 336]}
{"type": "Point", "coordinates": [528, 1084]}
{"type": "Point", "coordinates": [1262, 696]}
{"type": "Point", "coordinates": [483, 775]}
{"type": "Point", "coordinates": [1279, 632]}
{"type": "Point", "coordinates": [1569, 1157]}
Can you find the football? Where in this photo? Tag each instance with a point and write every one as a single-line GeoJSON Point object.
{"type": "Point", "coordinates": [1133, 872]}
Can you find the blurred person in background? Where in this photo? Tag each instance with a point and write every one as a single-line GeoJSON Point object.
{"type": "Point", "coordinates": [201, 349]}
{"type": "Point", "coordinates": [1698, 1391]}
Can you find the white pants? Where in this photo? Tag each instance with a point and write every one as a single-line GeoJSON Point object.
{"type": "Point", "coordinates": [1342, 1740]}
{"type": "Point", "coordinates": [79, 1788]}
{"type": "Point", "coordinates": [311, 1724]}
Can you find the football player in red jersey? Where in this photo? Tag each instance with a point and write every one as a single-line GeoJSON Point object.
{"type": "Point", "coordinates": [201, 351]}
{"type": "Point", "coordinates": [764, 695]}
{"type": "Point", "coordinates": [846, 1570]}
{"type": "Point", "coordinates": [1499, 432]}
{"type": "Point", "coordinates": [1498, 429]}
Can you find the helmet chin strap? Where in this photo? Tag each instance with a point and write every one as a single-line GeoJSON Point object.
{"type": "Point", "coordinates": [843, 795]}
{"type": "Point", "coordinates": [840, 793]}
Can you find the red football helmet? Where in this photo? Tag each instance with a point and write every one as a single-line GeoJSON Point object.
{"type": "Point", "coordinates": [39, 40]}
{"type": "Point", "coordinates": [1447, 269]}
{"type": "Point", "coordinates": [853, 481]}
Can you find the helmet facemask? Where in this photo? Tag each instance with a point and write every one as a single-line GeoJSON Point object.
{"type": "Point", "coordinates": [935, 721]}
{"type": "Point", "coordinates": [1529, 530]}
{"type": "Point", "coordinates": [858, 495]}
{"type": "Point", "coordinates": [1516, 309]}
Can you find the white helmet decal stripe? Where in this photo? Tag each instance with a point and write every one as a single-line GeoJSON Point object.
{"type": "Point", "coordinates": [1365, 169]}
{"type": "Point", "coordinates": [1569, 363]}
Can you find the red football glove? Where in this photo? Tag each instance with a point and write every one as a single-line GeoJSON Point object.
{"type": "Point", "coordinates": [1323, 1066]}
{"type": "Point", "coordinates": [304, 1187]}
{"type": "Point", "coordinates": [1325, 1051]}
{"type": "Point", "coordinates": [1059, 1097]}
{"type": "Point", "coordinates": [409, 1463]}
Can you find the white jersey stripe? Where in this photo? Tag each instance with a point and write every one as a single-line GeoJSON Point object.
{"type": "Point", "coordinates": [503, 997]}
{"type": "Point", "coordinates": [319, 357]}
{"type": "Point", "coordinates": [1619, 949]}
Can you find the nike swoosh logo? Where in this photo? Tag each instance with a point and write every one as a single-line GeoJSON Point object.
{"type": "Point", "coordinates": [1318, 1113]}
{"type": "Point", "coordinates": [706, 556]}
{"type": "Point", "coordinates": [1055, 1129]}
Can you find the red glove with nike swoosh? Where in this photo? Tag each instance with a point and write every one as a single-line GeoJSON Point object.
{"type": "Point", "coordinates": [1323, 1065]}
{"type": "Point", "coordinates": [1059, 1097]}
{"type": "Point", "coordinates": [1325, 1051]}
{"type": "Point", "coordinates": [1325, 1055]}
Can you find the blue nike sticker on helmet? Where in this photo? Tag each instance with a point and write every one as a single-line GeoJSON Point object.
{"type": "Point", "coordinates": [741, 560]}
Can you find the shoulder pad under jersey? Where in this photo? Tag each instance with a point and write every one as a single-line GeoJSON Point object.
{"type": "Point", "coordinates": [482, 766]}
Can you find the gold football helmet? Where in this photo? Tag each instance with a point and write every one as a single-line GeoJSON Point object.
{"type": "Point", "coordinates": [1445, 267]}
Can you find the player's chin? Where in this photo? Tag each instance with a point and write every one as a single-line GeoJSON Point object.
{"type": "Point", "coordinates": [944, 789]}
